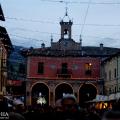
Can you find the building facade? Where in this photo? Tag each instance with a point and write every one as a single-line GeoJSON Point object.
{"type": "Point", "coordinates": [67, 73]}
{"type": "Point", "coordinates": [65, 67]}
{"type": "Point", "coordinates": [111, 74]}
{"type": "Point", "coordinates": [5, 48]}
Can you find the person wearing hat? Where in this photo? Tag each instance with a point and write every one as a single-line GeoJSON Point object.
{"type": "Point", "coordinates": [69, 103]}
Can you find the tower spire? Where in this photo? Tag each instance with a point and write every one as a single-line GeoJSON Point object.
{"type": "Point", "coordinates": [66, 16]}
{"type": "Point", "coordinates": [66, 25]}
{"type": "Point", "coordinates": [80, 42]}
{"type": "Point", "coordinates": [66, 13]}
{"type": "Point", "coordinates": [51, 38]}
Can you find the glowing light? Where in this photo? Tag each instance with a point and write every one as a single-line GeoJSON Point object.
{"type": "Point", "coordinates": [41, 100]}
{"type": "Point", "coordinates": [90, 64]}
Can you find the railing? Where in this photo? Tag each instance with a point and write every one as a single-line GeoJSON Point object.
{"type": "Point", "coordinates": [64, 73]}
{"type": "Point", "coordinates": [88, 72]}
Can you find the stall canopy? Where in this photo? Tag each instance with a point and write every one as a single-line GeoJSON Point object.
{"type": "Point", "coordinates": [118, 95]}
{"type": "Point", "coordinates": [114, 96]}
{"type": "Point", "coordinates": [100, 98]}
{"type": "Point", "coordinates": [18, 102]}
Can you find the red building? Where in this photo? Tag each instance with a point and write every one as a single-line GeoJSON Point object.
{"type": "Point", "coordinates": [65, 67]}
{"type": "Point", "coordinates": [82, 68]}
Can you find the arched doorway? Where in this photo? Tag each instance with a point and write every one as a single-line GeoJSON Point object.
{"type": "Point", "coordinates": [40, 94]}
{"type": "Point", "coordinates": [62, 89]}
{"type": "Point", "coordinates": [87, 92]}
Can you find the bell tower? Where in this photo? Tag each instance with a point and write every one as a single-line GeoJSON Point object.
{"type": "Point", "coordinates": [66, 24]}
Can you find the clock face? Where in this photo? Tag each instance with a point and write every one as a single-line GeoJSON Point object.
{"type": "Point", "coordinates": [75, 67]}
{"type": "Point", "coordinates": [53, 66]}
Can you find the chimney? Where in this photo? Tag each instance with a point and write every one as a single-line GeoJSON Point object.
{"type": "Point", "coordinates": [101, 46]}
{"type": "Point", "coordinates": [43, 45]}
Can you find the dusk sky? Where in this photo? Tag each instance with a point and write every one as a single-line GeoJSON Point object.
{"type": "Point", "coordinates": [31, 22]}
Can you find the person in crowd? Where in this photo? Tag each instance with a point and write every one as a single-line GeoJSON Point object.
{"type": "Point", "coordinates": [58, 106]}
{"type": "Point", "coordinates": [3, 105]}
{"type": "Point", "coordinates": [116, 106]}
{"type": "Point", "coordinates": [69, 103]}
{"type": "Point", "coordinates": [111, 115]}
{"type": "Point", "coordinates": [15, 116]}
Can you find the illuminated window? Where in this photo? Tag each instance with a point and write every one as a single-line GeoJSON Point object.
{"type": "Point", "coordinates": [88, 68]}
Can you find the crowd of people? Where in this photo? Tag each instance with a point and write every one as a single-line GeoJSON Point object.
{"type": "Point", "coordinates": [65, 109]}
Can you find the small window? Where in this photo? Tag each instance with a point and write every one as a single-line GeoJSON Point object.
{"type": "Point", "coordinates": [109, 90]}
{"type": "Point", "coordinates": [65, 31]}
{"type": "Point", "coordinates": [41, 68]}
{"type": "Point", "coordinates": [105, 75]}
{"type": "Point", "coordinates": [64, 68]}
{"type": "Point", "coordinates": [109, 74]}
{"type": "Point", "coordinates": [115, 89]}
{"type": "Point", "coordinates": [115, 73]}
{"type": "Point", "coordinates": [119, 89]}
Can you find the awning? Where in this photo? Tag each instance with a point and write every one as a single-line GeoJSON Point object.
{"type": "Point", "coordinates": [18, 102]}
{"type": "Point", "coordinates": [14, 82]}
{"type": "Point", "coordinates": [112, 97]}
{"type": "Point", "coordinates": [118, 95]}
{"type": "Point", "coordinates": [100, 98]}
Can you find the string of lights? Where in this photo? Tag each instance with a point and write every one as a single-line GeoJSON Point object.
{"type": "Point", "coordinates": [86, 13]}
{"type": "Point", "coordinates": [81, 2]}
{"type": "Point", "coordinates": [52, 34]}
{"type": "Point", "coordinates": [38, 40]}
{"type": "Point", "coordinates": [50, 22]}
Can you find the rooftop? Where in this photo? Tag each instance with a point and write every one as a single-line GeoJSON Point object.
{"type": "Point", "coordinates": [4, 37]}
{"type": "Point", "coordinates": [86, 51]}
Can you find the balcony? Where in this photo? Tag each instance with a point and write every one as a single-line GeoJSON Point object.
{"type": "Point", "coordinates": [64, 73]}
{"type": "Point", "coordinates": [88, 72]}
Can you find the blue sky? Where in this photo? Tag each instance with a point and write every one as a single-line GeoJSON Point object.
{"type": "Point", "coordinates": [35, 20]}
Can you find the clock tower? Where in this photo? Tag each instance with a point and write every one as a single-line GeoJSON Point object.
{"type": "Point", "coordinates": [66, 25]}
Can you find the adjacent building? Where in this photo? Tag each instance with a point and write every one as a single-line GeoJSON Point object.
{"type": "Point", "coordinates": [5, 48]}
{"type": "Point", "coordinates": [111, 75]}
